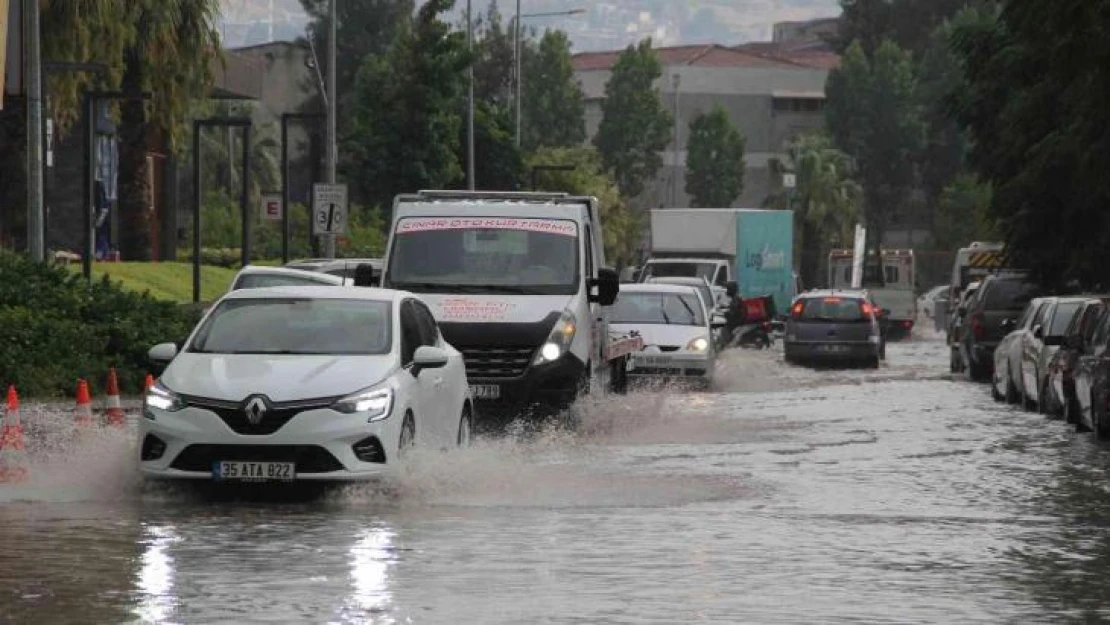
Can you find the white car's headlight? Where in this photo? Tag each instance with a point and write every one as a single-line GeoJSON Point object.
{"type": "Point", "coordinates": [558, 342]}
{"type": "Point", "coordinates": [699, 344]}
{"type": "Point", "coordinates": [375, 403]}
{"type": "Point", "coordinates": [162, 398]}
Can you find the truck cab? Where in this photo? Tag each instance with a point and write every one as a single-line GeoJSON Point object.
{"type": "Point", "coordinates": [518, 284]}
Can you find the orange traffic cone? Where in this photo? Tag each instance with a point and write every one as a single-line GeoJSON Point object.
{"type": "Point", "coordinates": [13, 458]}
{"type": "Point", "coordinates": [83, 413]}
{"type": "Point", "coordinates": [113, 413]}
{"type": "Point", "coordinates": [149, 382]}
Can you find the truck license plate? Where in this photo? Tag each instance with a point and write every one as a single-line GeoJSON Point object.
{"type": "Point", "coordinates": [258, 471]}
{"type": "Point", "coordinates": [485, 391]}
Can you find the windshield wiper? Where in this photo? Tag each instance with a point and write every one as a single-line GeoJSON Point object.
{"type": "Point", "coordinates": [693, 315]}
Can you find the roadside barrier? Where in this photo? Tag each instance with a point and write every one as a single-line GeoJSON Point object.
{"type": "Point", "coordinates": [13, 456]}
{"type": "Point", "coordinates": [83, 415]}
{"type": "Point", "coordinates": [149, 382]}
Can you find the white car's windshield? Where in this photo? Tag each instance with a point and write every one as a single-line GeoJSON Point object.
{"type": "Point", "coordinates": [680, 270]}
{"type": "Point", "coordinates": [296, 326]}
{"type": "Point", "coordinates": [681, 309]}
{"type": "Point", "coordinates": [480, 255]}
{"type": "Point", "coordinates": [262, 280]}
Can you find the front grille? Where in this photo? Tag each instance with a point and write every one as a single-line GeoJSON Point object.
{"type": "Point", "coordinates": [497, 362]}
{"type": "Point", "coordinates": [308, 458]}
{"type": "Point", "coordinates": [275, 417]}
{"type": "Point", "coordinates": [369, 450]}
{"type": "Point", "coordinates": [669, 348]}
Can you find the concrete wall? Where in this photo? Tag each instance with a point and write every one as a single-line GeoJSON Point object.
{"type": "Point", "coordinates": [748, 94]}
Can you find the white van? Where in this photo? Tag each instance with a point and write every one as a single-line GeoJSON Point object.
{"type": "Point", "coordinates": [518, 284]}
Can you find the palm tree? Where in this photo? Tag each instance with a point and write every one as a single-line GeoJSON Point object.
{"type": "Point", "coordinates": [170, 54]}
{"type": "Point", "coordinates": [826, 199]}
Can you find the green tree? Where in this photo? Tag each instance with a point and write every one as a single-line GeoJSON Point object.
{"type": "Point", "coordinates": [963, 214]}
{"type": "Point", "coordinates": [493, 67]}
{"type": "Point", "coordinates": [715, 160]}
{"type": "Point", "coordinates": [909, 23]}
{"type": "Point", "coordinates": [553, 110]}
{"type": "Point", "coordinates": [873, 116]}
{"type": "Point", "coordinates": [826, 200]}
{"type": "Point", "coordinates": [404, 134]}
{"type": "Point", "coordinates": [622, 227]}
{"type": "Point", "coordinates": [170, 53]}
{"type": "Point", "coordinates": [944, 152]}
{"type": "Point", "coordinates": [498, 164]}
{"type": "Point", "coordinates": [635, 127]}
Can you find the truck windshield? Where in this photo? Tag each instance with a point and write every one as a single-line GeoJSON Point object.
{"type": "Point", "coordinates": [680, 270]}
{"type": "Point", "coordinates": [485, 255]}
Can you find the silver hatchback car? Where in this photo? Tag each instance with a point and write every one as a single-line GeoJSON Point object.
{"type": "Point", "coordinates": [834, 326]}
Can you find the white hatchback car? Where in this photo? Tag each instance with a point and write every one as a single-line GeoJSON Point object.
{"type": "Point", "coordinates": [255, 276]}
{"type": "Point", "coordinates": [676, 326]}
{"type": "Point", "coordinates": [304, 383]}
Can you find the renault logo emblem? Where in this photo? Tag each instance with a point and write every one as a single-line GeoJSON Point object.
{"type": "Point", "coordinates": [255, 409]}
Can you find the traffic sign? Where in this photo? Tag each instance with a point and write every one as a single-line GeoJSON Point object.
{"type": "Point", "coordinates": [789, 181]}
{"type": "Point", "coordinates": [271, 206]}
{"type": "Point", "coordinates": [329, 208]}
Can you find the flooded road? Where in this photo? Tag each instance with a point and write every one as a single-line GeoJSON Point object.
{"type": "Point", "coordinates": [788, 496]}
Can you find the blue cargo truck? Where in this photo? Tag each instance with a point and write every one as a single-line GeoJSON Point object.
{"type": "Point", "coordinates": [751, 246]}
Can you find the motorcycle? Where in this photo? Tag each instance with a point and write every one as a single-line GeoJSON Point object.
{"type": "Point", "coordinates": [755, 336]}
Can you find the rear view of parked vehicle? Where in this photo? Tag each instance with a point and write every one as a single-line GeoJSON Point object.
{"type": "Point", "coordinates": [956, 325]}
{"type": "Point", "coordinates": [1001, 297]}
{"type": "Point", "coordinates": [833, 326]}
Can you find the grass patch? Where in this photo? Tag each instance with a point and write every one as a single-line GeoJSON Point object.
{"type": "Point", "coordinates": [165, 280]}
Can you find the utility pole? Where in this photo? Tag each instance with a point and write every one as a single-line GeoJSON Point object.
{"type": "Point", "coordinates": [470, 102]}
{"type": "Point", "coordinates": [332, 151]}
{"type": "Point", "coordinates": [519, 75]}
{"type": "Point", "coordinates": [32, 76]}
{"type": "Point", "coordinates": [677, 164]}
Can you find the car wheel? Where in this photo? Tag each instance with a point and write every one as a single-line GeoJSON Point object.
{"type": "Point", "coordinates": [1071, 413]}
{"type": "Point", "coordinates": [1044, 402]}
{"type": "Point", "coordinates": [1012, 395]}
{"type": "Point", "coordinates": [954, 364]}
{"type": "Point", "coordinates": [466, 426]}
{"type": "Point", "coordinates": [873, 362]}
{"type": "Point", "coordinates": [1102, 428]}
{"type": "Point", "coordinates": [995, 394]}
{"type": "Point", "coordinates": [408, 436]}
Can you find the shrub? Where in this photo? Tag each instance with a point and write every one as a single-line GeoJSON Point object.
{"type": "Point", "coordinates": [55, 328]}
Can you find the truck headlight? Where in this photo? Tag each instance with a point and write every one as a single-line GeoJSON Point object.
{"type": "Point", "coordinates": [162, 398]}
{"type": "Point", "coordinates": [375, 403]}
{"type": "Point", "coordinates": [558, 342]}
{"type": "Point", "coordinates": [699, 344]}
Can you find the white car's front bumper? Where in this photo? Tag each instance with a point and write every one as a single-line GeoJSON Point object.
{"type": "Point", "coordinates": [676, 364]}
{"type": "Point", "coordinates": [321, 443]}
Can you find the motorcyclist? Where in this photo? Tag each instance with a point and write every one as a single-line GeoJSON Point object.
{"type": "Point", "coordinates": [736, 312]}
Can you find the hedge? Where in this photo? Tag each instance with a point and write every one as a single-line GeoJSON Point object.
{"type": "Point", "coordinates": [55, 329]}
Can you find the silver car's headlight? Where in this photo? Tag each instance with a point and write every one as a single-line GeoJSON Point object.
{"type": "Point", "coordinates": [558, 342]}
{"type": "Point", "coordinates": [699, 344]}
{"type": "Point", "coordinates": [162, 398]}
{"type": "Point", "coordinates": [376, 403]}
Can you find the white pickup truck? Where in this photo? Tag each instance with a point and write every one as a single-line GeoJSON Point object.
{"type": "Point", "coordinates": [518, 283]}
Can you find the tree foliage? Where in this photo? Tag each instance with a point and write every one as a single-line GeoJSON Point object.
{"type": "Point", "coordinates": [622, 227]}
{"type": "Point", "coordinates": [1035, 108]}
{"type": "Point", "coordinates": [553, 110]}
{"type": "Point", "coordinates": [909, 23]}
{"type": "Point", "coordinates": [635, 127]}
{"type": "Point", "coordinates": [715, 160]}
{"type": "Point", "coordinates": [826, 199]}
{"type": "Point", "coordinates": [405, 128]}
{"type": "Point", "coordinates": [873, 116]}
{"type": "Point", "coordinates": [963, 213]}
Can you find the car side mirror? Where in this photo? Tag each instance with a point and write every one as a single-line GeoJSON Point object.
{"type": "Point", "coordinates": [718, 321]}
{"type": "Point", "coordinates": [604, 288]}
{"type": "Point", "coordinates": [162, 354]}
{"type": "Point", "coordinates": [732, 285]}
{"type": "Point", "coordinates": [428, 357]}
{"type": "Point", "coordinates": [1038, 332]}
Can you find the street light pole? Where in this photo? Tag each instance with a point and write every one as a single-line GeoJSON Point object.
{"type": "Point", "coordinates": [332, 151]}
{"type": "Point", "coordinates": [36, 234]}
{"type": "Point", "coordinates": [470, 102]}
{"type": "Point", "coordinates": [516, 57]}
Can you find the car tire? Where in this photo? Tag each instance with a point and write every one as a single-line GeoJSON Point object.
{"type": "Point", "coordinates": [1071, 413]}
{"type": "Point", "coordinates": [1045, 402]}
{"type": "Point", "coordinates": [407, 440]}
{"type": "Point", "coordinates": [995, 395]}
{"type": "Point", "coordinates": [466, 428]}
{"type": "Point", "coordinates": [1012, 395]}
{"type": "Point", "coordinates": [1102, 427]}
{"type": "Point", "coordinates": [873, 362]}
{"type": "Point", "coordinates": [954, 362]}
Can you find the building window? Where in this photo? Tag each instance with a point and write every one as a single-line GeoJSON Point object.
{"type": "Point", "coordinates": [799, 105]}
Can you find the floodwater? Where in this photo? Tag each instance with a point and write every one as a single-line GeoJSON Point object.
{"type": "Point", "coordinates": [788, 496]}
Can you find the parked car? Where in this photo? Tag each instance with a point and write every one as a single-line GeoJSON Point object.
{"type": "Point", "coordinates": [346, 267]}
{"type": "Point", "coordinates": [927, 302]}
{"type": "Point", "coordinates": [1000, 297]}
{"type": "Point", "coordinates": [834, 325]}
{"type": "Point", "coordinates": [303, 383]}
{"type": "Point", "coordinates": [1063, 365]}
{"type": "Point", "coordinates": [1039, 347]}
{"type": "Point", "coordinates": [254, 276]}
{"type": "Point", "coordinates": [956, 325]}
{"type": "Point", "coordinates": [676, 327]}
{"type": "Point", "coordinates": [1006, 380]}
{"type": "Point", "coordinates": [1091, 378]}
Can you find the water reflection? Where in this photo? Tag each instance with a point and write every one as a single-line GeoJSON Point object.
{"type": "Point", "coordinates": [370, 559]}
{"type": "Point", "coordinates": [155, 582]}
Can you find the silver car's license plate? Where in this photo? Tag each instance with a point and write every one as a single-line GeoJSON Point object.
{"type": "Point", "coordinates": [485, 391]}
